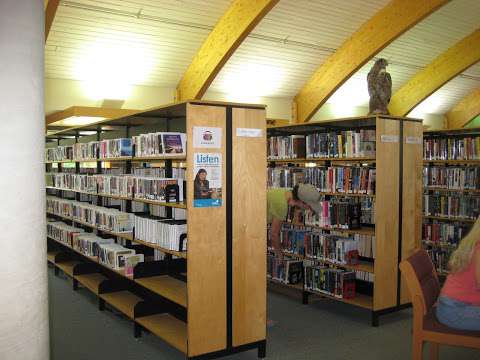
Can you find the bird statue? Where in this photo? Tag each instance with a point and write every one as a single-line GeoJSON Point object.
{"type": "Point", "coordinates": [379, 88]}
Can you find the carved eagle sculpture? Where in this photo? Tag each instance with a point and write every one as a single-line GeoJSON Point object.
{"type": "Point", "coordinates": [379, 88]}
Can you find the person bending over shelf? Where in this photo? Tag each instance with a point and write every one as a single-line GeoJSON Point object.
{"type": "Point", "coordinates": [304, 196]}
{"type": "Point", "coordinates": [459, 301]}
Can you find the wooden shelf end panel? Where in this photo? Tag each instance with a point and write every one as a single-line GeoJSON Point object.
{"type": "Point", "coordinates": [91, 281]}
{"type": "Point", "coordinates": [124, 301]}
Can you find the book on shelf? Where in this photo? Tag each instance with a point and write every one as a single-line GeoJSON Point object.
{"type": "Point", "coordinates": [88, 244]}
{"type": "Point", "coordinates": [114, 148]}
{"type": "Point", "coordinates": [86, 151]}
{"type": "Point", "coordinates": [334, 282]}
{"type": "Point", "coordinates": [333, 179]}
{"type": "Point", "coordinates": [452, 148]}
{"type": "Point", "coordinates": [103, 218]}
{"type": "Point", "coordinates": [115, 185]}
{"type": "Point", "coordinates": [336, 213]}
{"type": "Point", "coordinates": [130, 261]}
{"type": "Point", "coordinates": [59, 153]}
{"type": "Point", "coordinates": [158, 189]}
{"type": "Point", "coordinates": [453, 206]}
{"type": "Point", "coordinates": [59, 206]}
{"type": "Point", "coordinates": [441, 233]}
{"type": "Point", "coordinates": [161, 172]}
{"type": "Point", "coordinates": [166, 233]}
{"type": "Point", "coordinates": [440, 257]}
{"type": "Point", "coordinates": [113, 255]}
{"type": "Point", "coordinates": [159, 144]}
{"type": "Point", "coordinates": [364, 276]}
{"type": "Point", "coordinates": [284, 270]}
{"type": "Point", "coordinates": [348, 144]}
{"type": "Point", "coordinates": [62, 232]}
{"type": "Point", "coordinates": [455, 178]}
{"type": "Point", "coordinates": [161, 211]}
{"type": "Point", "coordinates": [286, 147]}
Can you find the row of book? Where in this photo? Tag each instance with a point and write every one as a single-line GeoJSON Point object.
{"type": "Point", "coordinates": [356, 143]}
{"type": "Point", "coordinates": [440, 233]}
{"type": "Point", "coordinates": [452, 206]}
{"type": "Point", "coordinates": [144, 145]}
{"type": "Point", "coordinates": [452, 148]}
{"type": "Point", "coordinates": [455, 178]}
{"type": "Point", "coordinates": [336, 213]}
{"type": "Point", "coordinates": [159, 143]}
{"type": "Point", "coordinates": [166, 233]}
{"type": "Point", "coordinates": [131, 186]}
{"type": "Point", "coordinates": [351, 143]}
{"type": "Point", "coordinates": [336, 248]}
{"type": "Point", "coordinates": [161, 172]}
{"type": "Point", "coordinates": [334, 282]}
{"type": "Point", "coordinates": [101, 217]}
{"type": "Point", "coordinates": [286, 271]}
{"type": "Point", "coordinates": [106, 251]}
{"type": "Point", "coordinates": [440, 257]}
{"type": "Point", "coordinates": [349, 180]}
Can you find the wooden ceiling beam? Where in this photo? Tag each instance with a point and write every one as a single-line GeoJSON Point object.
{"type": "Point", "coordinates": [234, 26]}
{"type": "Point", "coordinates": [465, 111]}
{"type": "Point", "coordinates": [385, 26]}
{"type": "Point", "coordinates": [51, 7]}
{"type": "Point", "coordinates": [444, 68]}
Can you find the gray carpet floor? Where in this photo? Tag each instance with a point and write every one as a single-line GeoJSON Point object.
{"type": "Point", "coordinates": [324, 329]}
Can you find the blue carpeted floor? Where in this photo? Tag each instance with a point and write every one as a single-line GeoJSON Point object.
{"type": "Point", "coordinates": [323, 330]}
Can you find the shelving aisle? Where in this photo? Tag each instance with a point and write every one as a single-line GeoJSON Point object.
{"type": "Point", "coordinates": [211, 302]}
{"type": "Point", "coordinates": [395, 230]}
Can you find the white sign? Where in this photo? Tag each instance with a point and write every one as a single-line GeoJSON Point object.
{"type": "Point", "coordinates": [207, 137]}
{"type": "Point", "coordinates": [207, 183]}
{"type": "Point", "coordinates": [249, 132]}
{"type": "Point", "coordinates": [389, 138]}
{"type": "Point", "coordinates": [413, 140]}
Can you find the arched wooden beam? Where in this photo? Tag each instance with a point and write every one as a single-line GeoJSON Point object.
{"type": "Point", "coordinates": [465, 111]}
{"type": "Point", "coordinates": [384, 27]}
{"type": "Point", "coordinates": [234, 26]}
{"type": "Point", "coordinates": [51, 7]}
{"type": "Point", "coordinates": [445, 67]}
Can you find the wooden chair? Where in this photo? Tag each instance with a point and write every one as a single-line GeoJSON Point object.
{"type": "Point", "coordinates": [424, 287]}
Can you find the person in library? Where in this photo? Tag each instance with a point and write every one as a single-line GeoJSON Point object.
{"type": "Point", "coordinates": [304, 196]}
{"type": "Point", "coordinates": [201, 186]}
{"type": "Point", "coordinates": [459, 301]}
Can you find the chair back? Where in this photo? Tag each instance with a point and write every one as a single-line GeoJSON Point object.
{"type": "Point", "coordinates": [422, 280]}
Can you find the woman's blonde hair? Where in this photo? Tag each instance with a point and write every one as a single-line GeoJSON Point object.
{"type": "Point", "coordinates": [462, 257]}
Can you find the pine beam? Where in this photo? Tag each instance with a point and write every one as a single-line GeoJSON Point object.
{"type": "Point", "coordinates": [234, 26]}
{"type": "Point", "coordinates": [444, 68]}
{"type": "Point", "coordinates": [385, 26]}
{"type": "Point", "coordinates": [465, 111]}
{"type": "Point", "coordinates": [51, 7]}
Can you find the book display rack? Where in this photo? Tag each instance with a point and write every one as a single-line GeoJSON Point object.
{"type": "Point", "coordinates": [451, 199]}
{"type": "Point", "coordinates": [361, 166]}
{"type": "Point", "coordinates": [204, 297]}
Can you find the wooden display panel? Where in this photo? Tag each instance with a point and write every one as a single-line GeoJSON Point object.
{"type": "Point", "coordinates": [249, 228]}
{"type": "Point", "coordinates": [386, 213]}
{"type": "Point", "coordinates": [412, 194]}
{"type": "Point", "coordinates": [206, 271]}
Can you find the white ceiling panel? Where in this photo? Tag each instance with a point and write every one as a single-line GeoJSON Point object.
{"type": "Point", "coordinates": [289, 44]}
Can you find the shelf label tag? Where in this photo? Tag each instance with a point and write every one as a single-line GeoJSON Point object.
{"type": "Point", "coordinates": [413, 140]}
{"type": "Point", "coordinates": [207, 137]}
{"type": "Point", "coordinates": [389, 138]}
{"type": "Point", "coordinates": [249, 132]}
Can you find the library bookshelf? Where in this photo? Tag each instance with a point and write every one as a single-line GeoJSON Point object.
{"type": "Point", "coordinates": [398, 213]}
{"type": "Point", "coordinates": [451, 172]}
{"type": "Point", "coordinates": [207, 301]}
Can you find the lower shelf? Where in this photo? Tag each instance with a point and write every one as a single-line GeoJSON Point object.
{"type": "Point", "coordinates": [67, 266]}
{"type": "Point", "coordinates": [361, 300]}
{"type": "Point", "coordinates": [166, 286]}
{"type": "Point", "coordinates": [51, 256]}
{"type": "Point", "coordinates": [91, 281]}
{"type": "Point", "coordinates": [168, 328]}
{"type": "Point", "coordinates": [124, 301]}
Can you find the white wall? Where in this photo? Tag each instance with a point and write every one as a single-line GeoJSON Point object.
{"type": "Point", "coordinates": [24, 331]}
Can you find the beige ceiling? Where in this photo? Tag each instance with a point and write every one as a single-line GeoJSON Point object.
{"type": "Point", "coordinates": [288, 44]}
